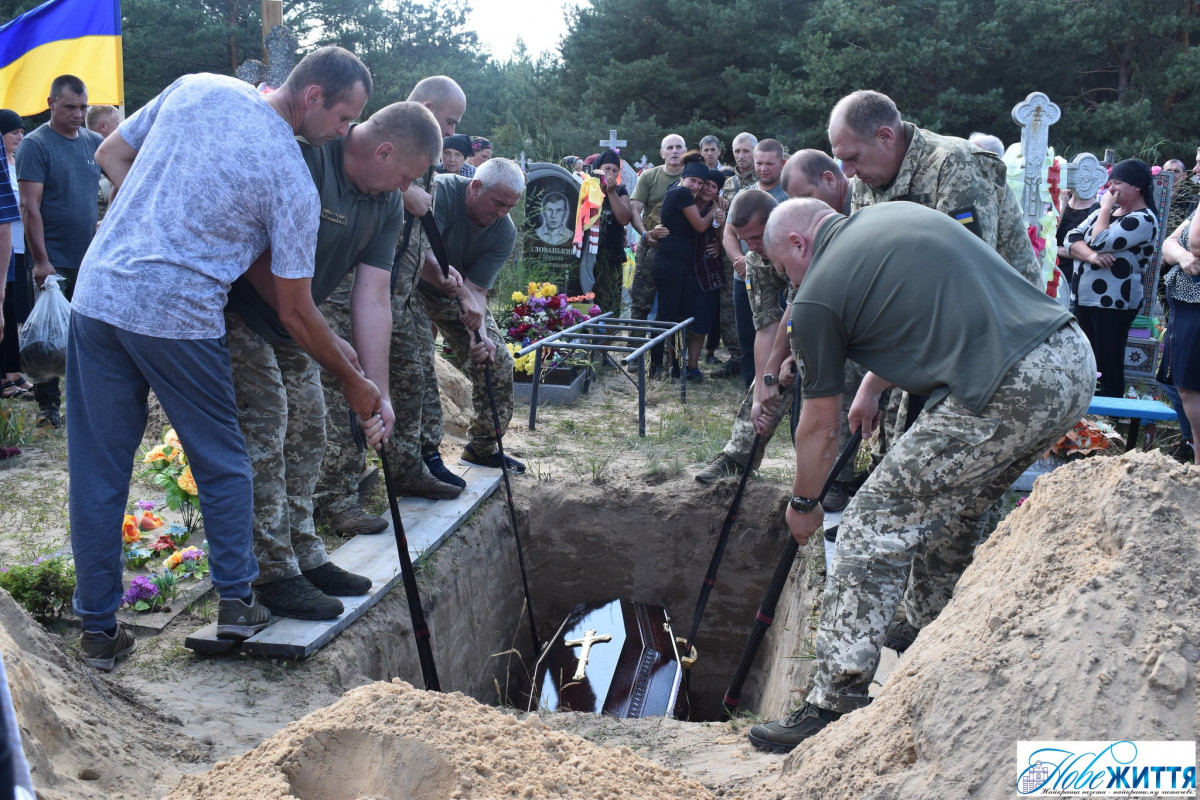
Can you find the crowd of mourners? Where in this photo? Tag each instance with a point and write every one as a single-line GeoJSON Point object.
{"type": "Point", "coordinates": [893, 283]}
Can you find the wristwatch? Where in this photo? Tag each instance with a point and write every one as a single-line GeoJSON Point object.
{"type": "Point", "coordinates": [802, 505]}
{"type": "Point", "coordinates": [770, 380]}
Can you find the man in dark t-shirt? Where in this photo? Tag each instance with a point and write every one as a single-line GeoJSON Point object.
{"type": "Point", "coordinates": [927, 306]}
{"type": "Point", "coordinates": [58, 179]}
{"type": "Point", "coordinates": [281, 407]}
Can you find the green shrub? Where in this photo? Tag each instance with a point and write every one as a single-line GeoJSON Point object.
{"type": "Point", "coordinates": [44, 587]}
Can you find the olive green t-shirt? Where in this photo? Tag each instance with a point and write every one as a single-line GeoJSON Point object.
{"type": "Point", "coordinates": [650, 190]}
{"type": "Point", "coordinates": [477, 253]}
{"type": "Point", "coordinates": [356, 228]}
{"type": "Point", "coordinates": [910, 294]}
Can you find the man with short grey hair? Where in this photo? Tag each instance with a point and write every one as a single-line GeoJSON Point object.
{"type": "Point", "coordinates": [985, 141]}
{"type": "Point", "coordinates": [711, 150]}
{"type": "Point", "coordinates": [472, 217]}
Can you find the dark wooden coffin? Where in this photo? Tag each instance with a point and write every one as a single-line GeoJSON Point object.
{"type": "Point", "coordinates": [616, 658]}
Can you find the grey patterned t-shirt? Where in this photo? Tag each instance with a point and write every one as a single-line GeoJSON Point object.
{"type": "Point", "coordinates": [218, 178]}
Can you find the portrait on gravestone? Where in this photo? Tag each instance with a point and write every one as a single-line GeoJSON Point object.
{"type": "Point", "coordinates": [554, 229]}
{"type": "Point", "coordinates": [551, 202]}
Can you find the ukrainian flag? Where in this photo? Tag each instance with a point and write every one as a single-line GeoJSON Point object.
{"type": "Point", "coordinates": [60, 37]}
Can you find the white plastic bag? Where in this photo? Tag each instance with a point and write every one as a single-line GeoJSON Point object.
{"type": "Point", "coordinates": [43, 337]}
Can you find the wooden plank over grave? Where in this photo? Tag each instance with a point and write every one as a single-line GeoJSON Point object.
{"type": "Point", "coordinates": [427, 523]}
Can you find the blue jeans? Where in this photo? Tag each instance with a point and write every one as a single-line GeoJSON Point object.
{"type": "Point", "coordinates": [745, 328]}
{"type": "Point", "coordinates": [109, 374]}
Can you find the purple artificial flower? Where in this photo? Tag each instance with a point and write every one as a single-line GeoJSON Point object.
{"type": "Point", "coordinates": [145, 505]}
{"type": "Point", "coordinates": [594, 311]}
{"type": "Point", "coordinates": [140, 588]}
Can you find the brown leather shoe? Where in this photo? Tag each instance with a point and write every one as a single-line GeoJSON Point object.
{"type": "Point", "coordinates": [355, 520]}
{"type": "Point", "coordinates": [426, 486]}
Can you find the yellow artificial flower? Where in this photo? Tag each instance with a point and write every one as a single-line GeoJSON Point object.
{"type": "Point", "coordinates": [532, 288]}
{"type": "Point", "coordinates": [173, 560]}
{"type": "Point", "coordinates": [159, 454]}
{"type": "Point", "coordinates": [549, 290]}
{"type": "Point", "coordinates": [129, 530]}
{"type": "Point", "coordinates": [172, 438]}
{"type": "Point", "coordinates": [517, 297]}
{"type": "Point", "coordinates": [187, 482]}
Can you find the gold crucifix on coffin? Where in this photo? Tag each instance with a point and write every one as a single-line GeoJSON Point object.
{"type": "Point", "coordinates": [589, 638]}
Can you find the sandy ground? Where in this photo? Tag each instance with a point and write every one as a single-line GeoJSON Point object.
{"type": "Point", "coordinates": [1079, 618]}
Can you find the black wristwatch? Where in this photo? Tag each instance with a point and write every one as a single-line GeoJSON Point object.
{"type": "Point", "coordinates": [770, 380]}
{"type": "Point", "coordinates": [802, 505]}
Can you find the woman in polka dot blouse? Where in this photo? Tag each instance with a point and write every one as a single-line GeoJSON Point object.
{"type": "Point", "coordinates": [1112, 249]}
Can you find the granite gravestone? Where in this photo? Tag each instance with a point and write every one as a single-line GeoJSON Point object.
{"type": "Point", "coordinates": [551, 202]}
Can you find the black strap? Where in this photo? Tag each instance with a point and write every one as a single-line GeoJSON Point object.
{"type": "Point", "coordinates": [408, 226]}
{"type": "Point", "coordinates": [436, 244]}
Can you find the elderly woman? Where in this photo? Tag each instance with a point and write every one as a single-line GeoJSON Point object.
{"type": "Point", "coordinates": [455, 152]}
{"type": "Point", "coordinates": [1181, 357]}
{"type": "Point", "coordinates": [1112, 249]}
{"type": "Point", "coordinates": [674, 264]}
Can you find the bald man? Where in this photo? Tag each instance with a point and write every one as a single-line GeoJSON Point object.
{"type": "Point", "coordinates": [993, 409]}
{"type": "Point", "coordinates": [646, 201]}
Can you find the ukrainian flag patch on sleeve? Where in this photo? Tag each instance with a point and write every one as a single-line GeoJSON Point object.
{"type": "Point", "coordinates": [969, 220]}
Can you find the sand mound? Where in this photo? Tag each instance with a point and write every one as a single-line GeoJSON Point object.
{"type": "Point", "coordinates": [390, 740]}
{"type": "Point", "coordinates": [1079, 620]}
{"type": "Point", "coordinates": [84, 735]}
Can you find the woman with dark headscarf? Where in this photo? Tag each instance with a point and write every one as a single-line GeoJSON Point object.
{"type": "Point", "coordinates": [674, 264]}
{"type": "Point", "coordinates": [1112, 249]}
{"type": "Point", "coordinates": [614, 216]}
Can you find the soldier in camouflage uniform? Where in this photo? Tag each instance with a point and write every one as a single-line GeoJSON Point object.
{"type": "Point", "coordinates": [647, 200]}
{"type": "Point", "coordinates": [731, 322]}
{"type": "Point", "coordinates": [769, 293]}
{"type": "Point", "coordinates": [472, 217]}
{"type": "Point", "coordinates": [894, 160]}
{"type": "Point", "coordinates": [413, 449]}
{"type": "Point", "coordinates": [993, 409]}
{"type": "Point", "coordinates": [281, 409]}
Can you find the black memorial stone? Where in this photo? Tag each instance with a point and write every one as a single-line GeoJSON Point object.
{"type": "Point", "coordinates": [551, 201]}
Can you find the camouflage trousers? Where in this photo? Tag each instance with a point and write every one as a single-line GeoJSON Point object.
{"type": "Point", "coordinates": [443, 312]}
{"type": "Point", "coordinates": [344, 464]}
{"type": "Point", "coordinates": [911, 530]}
{"type": "Point", "coordinates": [282, 415]}
{"type": "Point", "coordinates": [643, 290]}
{"type": "Point", "coordinates": [729, 335]}
{"type": "Point", "coordinates": [742, 437]}
{"type": "Point", "coordinates": [413, 382]}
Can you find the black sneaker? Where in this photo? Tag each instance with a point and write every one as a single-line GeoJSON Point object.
{"type": "Point", "coordinates": [694, 374]}
{"type": "Point", "coordinates": [337, 582]}
{"type": "Point", "coordinates": [442, 472]}
{"type": "Point", "coordinates": [237, 619]}
{"type": "Point", "coordinates": [492, 460]}
{"type": "Point", "coordinates": [783, 735]}
{"type": "Point", "coordinates": [50, 418]}
{"type": "Point", "coordinates": [900, 635]}
{"type": "Point", "coordinates": [355, 520]}
{"type": "Point", "coordinates": [1183, 453]}
{"type": "Point", "coordinates": [297, 598]}
{"type": "Point", "coordinates": [730, 369]}
{"type": "Point", "coordinates": [102, 651]}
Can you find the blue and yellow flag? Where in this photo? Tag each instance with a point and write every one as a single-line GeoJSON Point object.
{"type": "Point", "coordinates": [61, 37]}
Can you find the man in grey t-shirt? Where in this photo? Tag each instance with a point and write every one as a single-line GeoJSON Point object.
{"type": "Point", "coordinates": [59, 180]}
{"type": "Point", "coordinates": [189, 215]}
{"type": "Point", "coordinates": [472, 216]}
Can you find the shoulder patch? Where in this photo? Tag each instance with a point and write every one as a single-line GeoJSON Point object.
{"type": "Point", "coordinates": [969, 219]}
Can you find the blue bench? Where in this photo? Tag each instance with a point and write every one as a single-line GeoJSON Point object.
{"type": "Point", "coordinates": [1133, 410]}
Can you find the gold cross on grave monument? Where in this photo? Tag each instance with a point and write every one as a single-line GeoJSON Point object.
{"type": "Point", "coordinates": [589, 638]}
